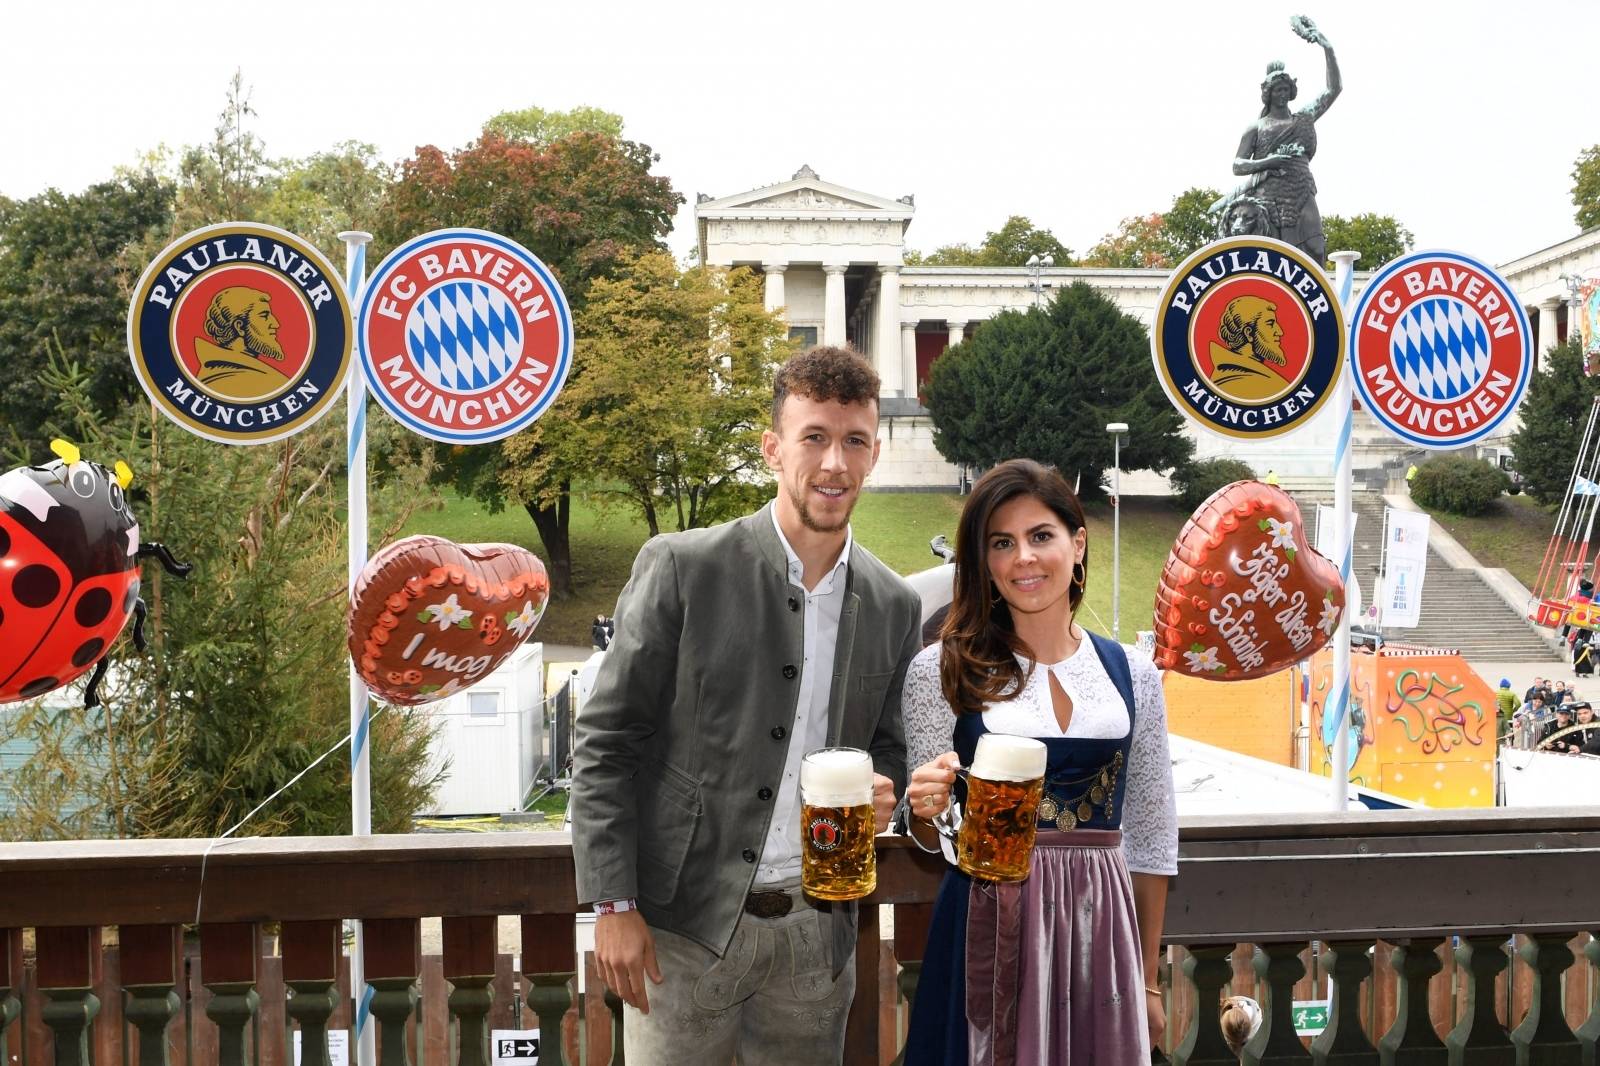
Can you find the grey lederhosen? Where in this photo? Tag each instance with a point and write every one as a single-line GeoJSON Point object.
{"type": "Point", "coordinates": [771, 999]}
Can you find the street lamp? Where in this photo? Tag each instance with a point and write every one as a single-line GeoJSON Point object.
{"type": "Point", "coordinates": [1036, 265]}
{"type": "Point", "coordinates": [1116, 429]}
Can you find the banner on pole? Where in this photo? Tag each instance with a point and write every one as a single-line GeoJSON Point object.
{"type": "Point", "coordinates": [465, 337]}
{"type": "Point", "coordinates": [240, 333]}
{"type": "Point", "coordinates": [1248, 339]}
{"type": "Point", "coordinates": [1405, 564]}
{"type": "Point", "coordinates": [1589, 323]}
{"type": "Point", "coordinates": [1440, 349]}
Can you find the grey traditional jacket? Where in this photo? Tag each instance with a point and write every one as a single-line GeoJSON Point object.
{"type": "Point", "coordinates": [690, 716]}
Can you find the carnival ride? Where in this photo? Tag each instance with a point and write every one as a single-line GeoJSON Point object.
{"type": "Point", "coordinates": [1563, 594]}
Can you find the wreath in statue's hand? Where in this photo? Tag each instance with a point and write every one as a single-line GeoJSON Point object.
{"type": "Point", "coordinates": [1306, 29]}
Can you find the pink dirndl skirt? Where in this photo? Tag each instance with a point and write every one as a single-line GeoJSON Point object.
{"type": "Point", "coordinates": [1054, 974]}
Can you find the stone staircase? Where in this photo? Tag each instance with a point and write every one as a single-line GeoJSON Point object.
{"type": "Point", "coordinates": [1459, 610]}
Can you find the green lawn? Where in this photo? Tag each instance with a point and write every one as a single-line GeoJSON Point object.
{"type": "Point", "coordinates": [1513, 533]}
{"type": "Point", "coordinates": [895, 526]}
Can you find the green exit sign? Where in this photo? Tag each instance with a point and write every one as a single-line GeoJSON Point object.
{"type": "Point", "coordinates": [1310, 1016]}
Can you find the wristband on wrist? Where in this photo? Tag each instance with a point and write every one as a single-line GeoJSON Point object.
{"type": "Point", "coordinates": [615, 906]}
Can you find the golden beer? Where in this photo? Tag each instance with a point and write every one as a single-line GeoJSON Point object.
{"type": "Point", "coordinates": [838, 858]}
{"type": "Point", "coordinates": [1004, 788]}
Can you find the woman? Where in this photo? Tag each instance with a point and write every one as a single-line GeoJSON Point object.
{"type": "Point", "coordinates": [1062, 967]}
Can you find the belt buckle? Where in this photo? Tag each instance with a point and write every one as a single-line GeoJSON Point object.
{"type": "Point", "coordinates": [768, 904]}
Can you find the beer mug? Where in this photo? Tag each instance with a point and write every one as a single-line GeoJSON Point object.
{"type": "Point", "coordinates": [838, 859]}
{"type": "Point", "coordinates": [1004, 787]}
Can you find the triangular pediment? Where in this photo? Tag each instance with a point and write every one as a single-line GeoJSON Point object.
{"type": "Point", "coordinates": [804, 194]}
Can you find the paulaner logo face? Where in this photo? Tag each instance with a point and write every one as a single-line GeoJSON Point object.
{"type": "Point", "coordinates": [465, 336]}
{"type": "Point", "coordinates": [1248, 338]}
{"type": "Point", "coordinates": [1440, 349]}
{"type": "Point", "coordinates": [240, 333]}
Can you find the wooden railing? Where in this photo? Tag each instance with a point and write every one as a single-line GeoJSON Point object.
{"type": "Point", "coordinates": [1409, 913]}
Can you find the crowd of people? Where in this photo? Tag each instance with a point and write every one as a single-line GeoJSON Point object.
{"type": "Point", "coordinates": [1541, 719]}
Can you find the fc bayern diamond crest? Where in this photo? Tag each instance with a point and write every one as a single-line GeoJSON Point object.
{"type": "Point", "coordinates": [464, 336]}
{"type": "Point", "coordinates": [1440, 349]}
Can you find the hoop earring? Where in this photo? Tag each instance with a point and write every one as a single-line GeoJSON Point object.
{"type": "Point", "coordinates": [1079, 575]}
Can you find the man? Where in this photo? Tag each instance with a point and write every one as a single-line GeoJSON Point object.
{"type": "Point", "coordinates": [1251, 339]}
{"type": "Point", "coordinates": [1536, 689]}
{"type": "Point", "coordinates": [1563, 720]}
{"type": "Point", "coordinates": [241, 334]}
{"type": "Point", "coordinates": [738, 649]}
{"type": "Point", "coordinates": [1506, 707]}
{"type": "Point", "coordinates": [1531, 722]}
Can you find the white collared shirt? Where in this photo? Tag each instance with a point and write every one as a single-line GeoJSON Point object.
{"type": "Point", "coordinates": [822, 607]}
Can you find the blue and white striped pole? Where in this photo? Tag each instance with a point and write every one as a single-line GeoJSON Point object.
{"type": "Point", "coordinates": [1336, 706]}
{"type": "Point", "coordinates": [355, 265]}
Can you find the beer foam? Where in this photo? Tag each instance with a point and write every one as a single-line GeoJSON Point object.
{"type": "Point", "coordinates": [836, 777]}
{"type": "Point", "coordinates": [1002, 757]}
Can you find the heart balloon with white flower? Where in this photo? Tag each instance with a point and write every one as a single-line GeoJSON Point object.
{"type": "Point", "coordinates": [430, 617]}
{"type": "Point", "coordinates": [1243, 595]}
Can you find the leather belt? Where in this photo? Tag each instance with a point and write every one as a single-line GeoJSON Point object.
{"type": "Point", "coordinates": [768, 904]}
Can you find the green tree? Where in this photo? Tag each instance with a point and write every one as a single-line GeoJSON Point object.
{"type": "Point", "coordinates": [581, 203]}
{"type": "Point", "coordinates": [1044, 383]}
{"type": "Point", "coordinates": [1586, 187]}
{"type": "Point", "coordinates": [1379, 238]}
{"type": "Point", "coordinates": [1138, 242]}
{"type": "Point", "coordinates": [1553, 412]}
{"type": "Point", "coordinates": [535, 125]}
{"type": "Point", "coordinates": [64, 266]}
{"type": "Point", "coordinates": [676, 391]}
{"type": "Point", "coordinates": [324, 193]}
{"type": "Point", "coordinates": [1010, 245]}
{"type": "Point", "coordinates": [1188, 225]}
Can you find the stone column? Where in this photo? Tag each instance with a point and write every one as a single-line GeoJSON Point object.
{"type": "Point", "coordinates": [886, 339]}
{"type": "Point", "coordinates": [833, 304]}
{"type": "Point", "coordinates": [908, 358]}
{"type": "Point", "coordinates": [775, 296]}
{"type": "Point", "coordinates": [1549, 331]}
{"type": "Point", "coordinates": [958, 332]}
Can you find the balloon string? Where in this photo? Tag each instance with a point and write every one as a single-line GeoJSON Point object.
{"type": "Point", "coordinates": [240, 824]}
{"type": "Point", "coordinates": [341, 742]}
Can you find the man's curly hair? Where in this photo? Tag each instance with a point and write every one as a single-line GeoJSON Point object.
{"type": "Point", "coordinates": [825, 372]}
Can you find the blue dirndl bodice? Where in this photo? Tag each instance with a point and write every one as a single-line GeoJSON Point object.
{"type": "Point", "coordinates": [1084, 779]}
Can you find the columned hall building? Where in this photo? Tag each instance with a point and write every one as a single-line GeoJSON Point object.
{"type": "Point", "coordinates": [834, 261]}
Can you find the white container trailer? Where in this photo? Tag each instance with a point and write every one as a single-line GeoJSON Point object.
{"type": "Point", "coordinates": [490, 738]}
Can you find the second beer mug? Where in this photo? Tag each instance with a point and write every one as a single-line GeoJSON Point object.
{"type": "Point", "coordinates": [1004, 787]}
{"type": "Point", "coordinates": [838, 860]}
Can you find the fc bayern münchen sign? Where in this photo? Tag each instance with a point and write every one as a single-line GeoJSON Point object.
{"type": "Point", "coordinates": [1440, 349]}
{"type": "Point", "coordinates": [1248, 338]}
{"type": "Point", "coordinates": [464, 336]}
{"type": "Point", "coordinates": [240, 333]}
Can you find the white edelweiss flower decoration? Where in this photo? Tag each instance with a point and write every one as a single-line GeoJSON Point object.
{"type": "Point", "coordinates": [1282, 533]}
{"type": "Point", "coordinates": [524, 620]}
{"type": "Point", "coordinates": [1330, 617]}
{"type": "Point", "coordinates": [449, 613]}
{"type": "Point", "coordinates": [1202, 661]}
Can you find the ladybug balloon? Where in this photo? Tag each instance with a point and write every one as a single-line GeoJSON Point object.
{"type": "Point", "coordinates": [69, 572]}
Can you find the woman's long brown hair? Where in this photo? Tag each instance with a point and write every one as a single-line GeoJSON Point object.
{"type": "Point", "coordinates": [977, 663]}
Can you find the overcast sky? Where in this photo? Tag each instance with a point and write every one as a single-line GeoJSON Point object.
{"type": "Point", "coordinates": [1461, 119]}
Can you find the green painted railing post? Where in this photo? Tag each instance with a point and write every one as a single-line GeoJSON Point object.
{"type": "Point", "coordinates": [1544, 1038]}
{"type": "Point", "coordinates": [228, 970]}
{"type": "Point", "coordinates": [1208, 970]}
{"type": "Point", "coordinates": [1344, 1042]}
{"type": "Point", "coordinates": [1589, 1032]}
{"type": "Point", "coordinates": [1479, 1039]}
{"type": "Point", "coordinates": [1411, 1040]}
{"type": "Point", "coordinates": [1281, 967]}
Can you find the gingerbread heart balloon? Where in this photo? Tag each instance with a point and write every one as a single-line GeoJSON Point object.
{"type": "Point", "coordinates": [430, 617]}
{"type": "Point", "coordinates": [1242, 595]}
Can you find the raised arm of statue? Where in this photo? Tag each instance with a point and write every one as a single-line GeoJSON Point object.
{"type": "Point", "coordinates": [1307, 29]}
